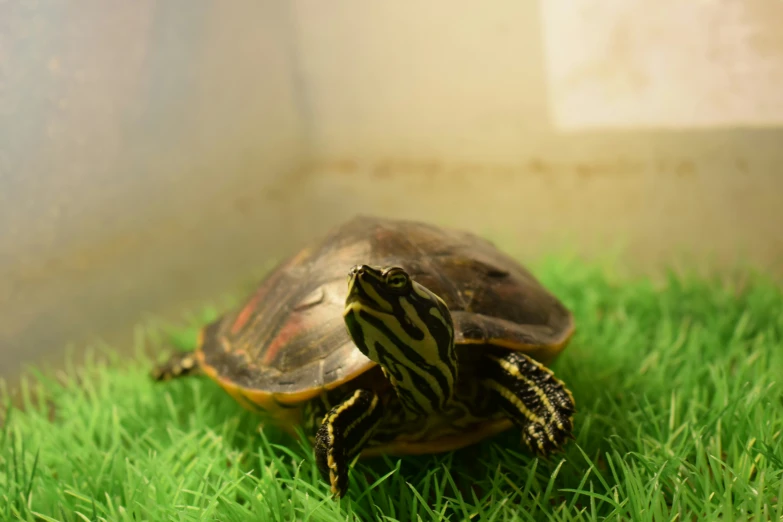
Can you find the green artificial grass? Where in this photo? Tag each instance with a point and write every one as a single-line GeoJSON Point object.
{"type": "Point", "coordinates": [680, 412]}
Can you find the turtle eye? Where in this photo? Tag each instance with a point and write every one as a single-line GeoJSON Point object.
{"type": "Point", "coordinates": [397, 279]}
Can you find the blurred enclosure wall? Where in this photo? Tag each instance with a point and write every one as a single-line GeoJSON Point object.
{"type": "Point", "coordinates": [154, 154]}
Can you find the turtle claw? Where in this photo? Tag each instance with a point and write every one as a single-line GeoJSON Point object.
{"type": "Point", "coordinates": [180, 364]}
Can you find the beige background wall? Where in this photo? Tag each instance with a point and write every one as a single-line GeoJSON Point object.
{"type": "Point", "coordinates": [448, 112]}
{"type": "Point", "coordinates": [154, 155]}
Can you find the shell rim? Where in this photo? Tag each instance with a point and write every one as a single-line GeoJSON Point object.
{"type": "Point", "coordinates": [292, 400]}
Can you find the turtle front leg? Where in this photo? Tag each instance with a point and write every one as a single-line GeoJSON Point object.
{"type": "Point", "coordinates": [345, 430]}
{"type": "Point", "coordinates": [180, 364]}
{"type": "Point", "coordinates": [533, 398]}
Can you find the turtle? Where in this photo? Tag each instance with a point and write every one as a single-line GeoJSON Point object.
{"type": "Point", "coordinates": [397, 337]}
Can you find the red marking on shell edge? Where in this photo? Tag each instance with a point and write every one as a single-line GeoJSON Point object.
{"type": "Point", "coordinates": [289, 330]}
{"type": "Point", "coordinates": [245, 313]}
{"type": "Point", "coordinates": [251, 305]}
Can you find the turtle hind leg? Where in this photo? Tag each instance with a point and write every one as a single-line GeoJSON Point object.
{"type": "Point", "coordinates": [533, 398]}
{"type": "Point", "coordinates": [180, 364]}
{"type": "Point", "coordinates": [345, 430]}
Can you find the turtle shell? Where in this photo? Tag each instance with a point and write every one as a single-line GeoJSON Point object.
{"type": "Point", "coordinates": [288, 342]}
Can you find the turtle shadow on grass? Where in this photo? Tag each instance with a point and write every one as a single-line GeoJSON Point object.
{"type": "Point", "coordinates": [475, 472]}
{"type": "Point", "coordinates": [498, 467]}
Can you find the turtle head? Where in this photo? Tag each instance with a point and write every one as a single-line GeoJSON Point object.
{"type": "Point", "coordinates": [408, 330]}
